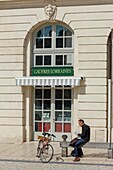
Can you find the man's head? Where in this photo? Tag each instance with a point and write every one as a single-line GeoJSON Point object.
{"type": "Point", "coordinates": [81, 122]}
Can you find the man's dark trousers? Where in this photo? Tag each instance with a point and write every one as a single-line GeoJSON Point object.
{"type": "Point", "coordinates": [77, 148]}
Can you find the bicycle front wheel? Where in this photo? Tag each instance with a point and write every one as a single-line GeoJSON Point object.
{"type": "Point", "coordinates": [46, 153]}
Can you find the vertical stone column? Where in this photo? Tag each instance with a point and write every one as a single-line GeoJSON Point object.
{"type": "Point", "coordinates": [28, 93]}
{"type": "Point", "coordinates": [28, 114]}
{"type": "Point", "coordinates": [110, 114]}
{"type": "Point", "coordinates": [112, 90]}
{"type": "Point", "coordinates": [75, 111]}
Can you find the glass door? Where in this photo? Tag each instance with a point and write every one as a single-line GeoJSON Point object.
{"type": "Point", "coordinates": [42, 109]}
{"type": "Point", "coordinates": [52, 111]}
{"type": "Point", "coordinates": [62, 112]}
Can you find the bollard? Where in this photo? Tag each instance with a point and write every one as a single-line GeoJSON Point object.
{"type": "Point", "coordinates": [64, 146]}
{"type": "Point", "coordinates": [110, 153]}
{"type": "Point", "coordinates": [64, 152]}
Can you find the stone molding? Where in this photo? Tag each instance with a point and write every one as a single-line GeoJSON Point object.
{"type": "Point", "coordinates": [10, 4]}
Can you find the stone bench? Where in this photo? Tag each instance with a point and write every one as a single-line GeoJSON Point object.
{"type": "Point", "coordinates": [65, 144]}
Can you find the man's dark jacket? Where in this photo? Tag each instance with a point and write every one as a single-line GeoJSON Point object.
{"type": "Point", "coordinates": [85, 133]}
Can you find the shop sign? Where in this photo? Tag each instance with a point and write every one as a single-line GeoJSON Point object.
{"type": "Point", "coordinates": [52, 71]}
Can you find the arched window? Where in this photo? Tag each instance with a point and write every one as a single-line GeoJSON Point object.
{"type": "Point", "coordinates": [53, 46]}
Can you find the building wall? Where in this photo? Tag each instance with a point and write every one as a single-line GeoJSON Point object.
{"type": "Point", "coordinates": [92, 25]}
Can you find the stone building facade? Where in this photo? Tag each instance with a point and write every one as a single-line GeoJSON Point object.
{"type": "Point", "coordinates": [55, 62]}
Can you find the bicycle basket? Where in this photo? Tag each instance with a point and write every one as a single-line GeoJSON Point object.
{"type": "Point", "coordinates": [43, 138]}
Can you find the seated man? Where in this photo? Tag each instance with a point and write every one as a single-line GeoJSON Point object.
{"type": "Point", "coordinates": [82, 139]}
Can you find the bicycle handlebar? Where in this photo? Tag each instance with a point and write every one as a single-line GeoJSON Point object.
{"type": "Point", "coordinates": [49, 134]}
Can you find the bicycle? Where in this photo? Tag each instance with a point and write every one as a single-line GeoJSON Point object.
{"type": "Point", "coordinates": [45, 150]}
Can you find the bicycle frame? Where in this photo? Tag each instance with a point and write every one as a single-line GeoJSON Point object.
{"type": "Point", "coordinates": [44, 147]}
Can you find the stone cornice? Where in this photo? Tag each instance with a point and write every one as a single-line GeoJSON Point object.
{"type": "Point", "coordinates": [8, 4]}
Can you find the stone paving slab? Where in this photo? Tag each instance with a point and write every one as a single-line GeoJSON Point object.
{"type": "Point", "coordinates": [27, 152]}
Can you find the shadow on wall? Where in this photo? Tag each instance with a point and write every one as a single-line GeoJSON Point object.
{"type": "Point", "coordinates": [82, 88]}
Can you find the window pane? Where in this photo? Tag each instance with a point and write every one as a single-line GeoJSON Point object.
{"type": "Point", "coordinates": [67, 32]}
{"type": "Point", "coordinates": [47, 43]}
{"type": "Point", "coordinates": [39, 60]}
{"type": "Point", "coordinates": [38, 93]}
{"type": "Point", "coordinates": [39, 43]}
{"type": "Point", "coordinates": [58, 94]}
{"type": "Point", "coordinates": [59, 43]}
{"type": "Point", "coordinates": [67, 127]}
{"type": "Point", "coordinates": [46, 116]}
{"type": "Point", "coordinates": [68, 59]}
{"type": "Point", "coordinates": [46, 127]}
{"type": "Point", "coordinates": [39, 33]}
{"type": "Point", "coordinates": [68, 42]}
{"type": "Point", "coordinates": [38, 104]}
{"type": "Point", "coordinates": [47, 104]}
{"type": "Point", "coordinates": [47, 60]}
{"type": "Point", "coordinates": [58, 116]}
{"type": "Point", "coordinates": [58, 105]}
{"type": "Point", "coordinates": [59, 60]}
{"type": "Point", "coordinates": [38, 126]}
{"type": "Point", "coordinates": [59, 30]}
{"type": "Point", "coordinates": [58, 127]}
{"type": "Point", "coordinates": [47, 93]}
{"type": "Point", "coordinates": [67, 116]}
{"type": "Point", "coordinates": [38, 115]}
{"type": "Point", "coordinates": [48, 31]}
{"type": "Point", "coordinates": [67, 105]}
{"type": "Point", "coordinates": [67, 94]}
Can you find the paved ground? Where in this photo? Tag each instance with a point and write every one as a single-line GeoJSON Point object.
{"type": "Point", "coordinates": [51, 166]}
{"type": "Point", "coordinates": [23, 156]}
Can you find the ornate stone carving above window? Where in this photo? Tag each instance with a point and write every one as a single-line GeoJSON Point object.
{"type": "Point", "coordinates": [50, 12]}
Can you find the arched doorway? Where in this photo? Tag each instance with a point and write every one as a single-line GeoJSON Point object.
{"type": "Point", "coordinates": [52, 55]}
{"type": "Point", "coordinates": [50, 81]}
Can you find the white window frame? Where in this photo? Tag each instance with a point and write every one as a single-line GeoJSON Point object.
{"type": "Point", "coordinates": [53, 51]}
{"type": "Point", "coordinates": [53, 59]}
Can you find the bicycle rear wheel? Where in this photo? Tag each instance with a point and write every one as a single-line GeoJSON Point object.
{"type": "Point", "coordinates": [46, 153]}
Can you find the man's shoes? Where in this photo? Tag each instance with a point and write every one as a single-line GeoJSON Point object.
{"type": "Point", "coordinates": [76, 159]}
